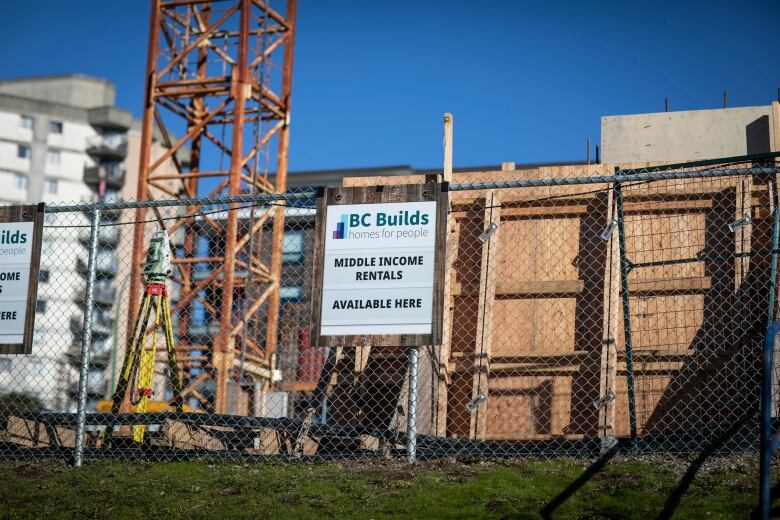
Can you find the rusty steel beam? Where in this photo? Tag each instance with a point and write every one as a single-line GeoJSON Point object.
{"type": "Point", "coordinates": [281, 186]}
{"type": "Point", "coordinates": [147, 129]}
{"type": "Point", "coordinates": [206, 83]}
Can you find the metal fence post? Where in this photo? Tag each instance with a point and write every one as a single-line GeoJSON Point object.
{"type": "Point", "coordinates": [767, 366]}
{"type": "Point", "coordinates": [766, 440]}
{"type": "Point", "coordinates": [86, 337]}
{"type": "Point", "coordinates": [625, 268]}
{"type": "Point", "coordinates": [411, 415]}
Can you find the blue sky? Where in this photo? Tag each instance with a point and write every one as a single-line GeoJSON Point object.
{"type": "Point", "coordinates": [526, 81]}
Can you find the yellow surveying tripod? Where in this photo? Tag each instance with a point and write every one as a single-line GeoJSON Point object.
{"type": "Point", "coordinates": [138, 367]}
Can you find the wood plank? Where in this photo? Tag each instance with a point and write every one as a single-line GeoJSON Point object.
{"type": "Point", "coordinates": [526, 288]}
{"type": "Point", "coordinates": [609, 324]}
{"type": "Point", "coordinates": [33, 434]}
{"type": "Point", "coordinates": [534, 437]}
{"type": "Point", "coordinates": [487, 293]}
{"type": "Point", "coordinates": [695, 283]}
{"type": "Point", "coordinates": [668, 205]}
{"type": "Point", "coordinates": [652, 366]}
{"type": "Point", "coordinates": [448, 130]}
{"type": "Point", "coordinates": [448, 303]}
{"type": "Point", "coordinates": [543, 211]}
{"type": "Point", "coordinates": [743, 234]}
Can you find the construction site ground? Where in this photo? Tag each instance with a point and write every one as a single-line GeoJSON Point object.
{"type": "Point", "coordinates": [645, 487]}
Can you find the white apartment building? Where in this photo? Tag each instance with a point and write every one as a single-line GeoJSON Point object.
{"type": "Point", "coordinates": [62, 140]}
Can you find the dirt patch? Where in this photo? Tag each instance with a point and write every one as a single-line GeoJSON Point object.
{"type": "Point", "coordinates": [39, 469]}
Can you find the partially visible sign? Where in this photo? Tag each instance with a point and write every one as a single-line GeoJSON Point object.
{"type": "Point", "coordinates": [20, 248]}
{"type": "Point", "coordinates": [379, 266]}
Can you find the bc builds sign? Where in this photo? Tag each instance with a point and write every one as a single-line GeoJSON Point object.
{"type": "Point", "coordinates": [20, 250]}
{"type": "Point", "coordinates": [379, 265]}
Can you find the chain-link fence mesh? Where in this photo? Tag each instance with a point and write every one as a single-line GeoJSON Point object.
{"type": "Point", "coordinates": [580, 314]}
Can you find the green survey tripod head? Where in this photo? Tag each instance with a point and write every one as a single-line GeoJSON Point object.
{"type": "Point", "coordinates": [158, 258]}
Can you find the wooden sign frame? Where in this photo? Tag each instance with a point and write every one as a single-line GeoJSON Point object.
{"type": "Point", "coordinates": [430, 191]}
{"type": "Point", "coordinates": [28, 213]}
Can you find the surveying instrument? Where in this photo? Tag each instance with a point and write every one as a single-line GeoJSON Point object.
{"type": "Point", "coordinates": [135, 382]}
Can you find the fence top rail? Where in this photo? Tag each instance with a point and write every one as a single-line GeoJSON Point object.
{"type": "Point", "coordinates": [621, 176]}
{"type": "Point", "coordinates": [258, 198]}
{"type": "Point", "coordinates": [645, 174]}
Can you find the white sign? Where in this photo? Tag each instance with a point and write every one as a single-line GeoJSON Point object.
{"type": "Point", "coordinates": [378, 269]}
{"type": "Point", "coordinates": [15, 255]}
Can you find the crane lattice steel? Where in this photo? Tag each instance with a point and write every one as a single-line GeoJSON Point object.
{"type": "Point", "coordinates": [218, 83]}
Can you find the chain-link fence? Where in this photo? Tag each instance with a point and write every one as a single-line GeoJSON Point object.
{"type": "Point", "coordinates": [581, 313]}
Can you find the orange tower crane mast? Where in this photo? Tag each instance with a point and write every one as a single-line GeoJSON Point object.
{"type": "Point", "coordinates": [218, 83]}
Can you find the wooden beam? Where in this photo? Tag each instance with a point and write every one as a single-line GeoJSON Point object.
{"type": "Point", "coordinates": [484, 330]}
{"type": "Point", "coordinates": [552, 210]}
{"type": "Point", "coordinates": [541, 357]}
{"type": "Point", "coordinates": [517, 369]}
{"type": "Point", "coordinates": [609, 324]}
{"type": "Point", "coordinates": [445, 349]}
{"type": "Point", "coordinates": [693, 204]}
{"type": "Point", "coordinates": [525, 288]}
{"type": "Point", "coordinates": [667, 285]}
{"type": "Point", "coordinates": [448, 121]}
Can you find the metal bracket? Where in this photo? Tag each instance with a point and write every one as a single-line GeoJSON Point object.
{"type": "Point", "coordinates": [744, 221]}
{"type": "Point", "coordinates": [303, 433]}
{"type": "Point", "coordinates": [489, 231]}
{"type": "Point", "coordinates": [602, 401]}
{"type": "Point", "coordinates": [609, 229]}
{"type": "Point", "coordinates": [476, 402]}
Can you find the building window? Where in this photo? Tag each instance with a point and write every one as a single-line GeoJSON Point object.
{"type": "Point", "coordinates": [290, 294]}
{"type": "Point", "coordinates": [26, 122]}
{"type": "Point", "coordinates": [5, 365]}
{"type": "Point", "coordinates": [111, 195]}
{"type": "Point", "coordinates": [20, 181]}
{"type": "Point", "coordinates": [55, 127]}
{"type": "Point", "coordinates": [292, 246]}
{"type": "Point", "coordinates": [53, 156]}
{"type": "Point", "coordinates": [40, 306]}
{"type": "Point", "coordinates": [50, 186]}
{"type": "Point", "coordinates": [23, 152]}
{"type": "Point", "coordinates": [34, 366]}
{"type": "Point", "coordinates": [43, 276]}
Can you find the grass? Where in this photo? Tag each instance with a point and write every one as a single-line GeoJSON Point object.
{"type": "Point", "coordinates": [520, 489]}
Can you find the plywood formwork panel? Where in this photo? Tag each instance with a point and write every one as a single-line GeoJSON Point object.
{"type": "Point", "coordinates": [649, 390]}
{"type": "Point", "coordinates": [529, 407]}
{"type": "Point", "coordinates": [667, 324]}
{"type": "Point", "coordinates": [534, 326]}
{"type": "Point", "coordinates": [557, 325]}
{"type": "Point", "coordinates": [539, 249]}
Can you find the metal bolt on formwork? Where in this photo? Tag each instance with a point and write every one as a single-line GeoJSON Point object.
{"type": "Point", "coordinates": [489, 231]}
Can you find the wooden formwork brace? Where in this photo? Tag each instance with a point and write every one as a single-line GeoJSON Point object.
{"type": "Point", "coordinates": [484, 332]}
{"type": "Point", "coordinates": [451, 253]}
{"type": "Point", "coordinates": [607, 383]}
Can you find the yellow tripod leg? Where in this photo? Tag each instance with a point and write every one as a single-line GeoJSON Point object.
{"type": "Point", "coordinates": [135, 345]}
{"type": "Point", "coordinates": [175, 374]}
{"type": "Point", "coordinates": [146, 374]}
{"type": "Point", "coordinates": [132, 353]}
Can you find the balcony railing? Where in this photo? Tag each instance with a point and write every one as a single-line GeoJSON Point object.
{"type": "Point", "coordinates": [105, 264]}
{"type": "Point", "coordinates": [112, 174]}
{"type": "Point", "coordinates": [111, 145]}
{"type": "Point", "coordinates": [103, 294]}
{"type": "Point", "coordinates": [107, 235]}
{"type": "Point", "coordinates": [99, 327]}
{"type": "Point", "coordinates": [96, 382]}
